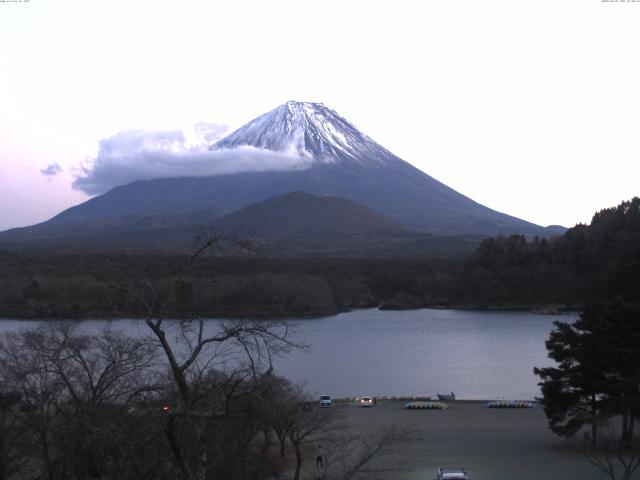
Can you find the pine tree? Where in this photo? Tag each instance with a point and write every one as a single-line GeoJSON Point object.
{"type": "Point", "coordinates": [598, 371]}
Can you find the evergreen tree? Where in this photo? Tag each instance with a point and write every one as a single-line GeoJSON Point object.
{"type": "Point", "coordinates": [598, 370]}
{"type": "Point", "coordinates": [573, 391]}
{"type": "Point", "coordinates": [616, 327]}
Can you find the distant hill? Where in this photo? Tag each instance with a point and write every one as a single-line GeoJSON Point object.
{"type": "Point", "coordinates": [298, 223]}
{"type": "Point", "coordinates": [299, 214]}
{"type": "Point", "coordinates": [342, 162]}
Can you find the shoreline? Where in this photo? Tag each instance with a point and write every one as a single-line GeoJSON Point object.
{"type": "Point", "coordinates": [537, 310]}
{"type": "Point", "coordinates": [427, 398]}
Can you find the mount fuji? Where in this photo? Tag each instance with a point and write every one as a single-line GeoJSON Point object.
{"type": "Point", "coordinates": [337, 160]}
{"type": "Point", "coordinates": [349, 164]}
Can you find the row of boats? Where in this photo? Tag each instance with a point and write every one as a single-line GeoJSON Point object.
{"type": "Point", "coordinates": [441, 405]}
{"type": "Point", "coordinates": [431, 405]}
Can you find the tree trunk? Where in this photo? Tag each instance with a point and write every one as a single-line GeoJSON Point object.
{"type": "Point", "coordinates": [46, 456]}
{"type": "Point", "coordinates": [266, 441]}
{"type": "Point", "coordinates": [174, 444]}
{"type": "Point", "coordinates": [626, 441]}
{"type": "Point", "coordinates": [203, 450]}
{"type": "Point", "coordinates": [282, 452]}
{"type": "Point", "coordinates": [4, 467]}
{"type": "Point", "coordinates": [594, 422]}
{"type": "Point", "coordinates": [296, 476]}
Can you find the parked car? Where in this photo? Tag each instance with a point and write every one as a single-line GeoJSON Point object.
{"type": "Point", "coordinates": [325, 401]}
{"type": "Point", "coordinates": [367, 402]}
{"type": "Point", "coordinates": [457, 473]}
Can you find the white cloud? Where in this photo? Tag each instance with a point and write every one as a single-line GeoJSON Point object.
{"type": "Point", "coordinates": [143, 155]}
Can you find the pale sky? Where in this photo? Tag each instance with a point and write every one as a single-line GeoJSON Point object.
{"type": "Point", "coordinates": [528, 107]}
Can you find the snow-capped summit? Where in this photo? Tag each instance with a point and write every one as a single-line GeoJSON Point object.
{"type": "Point", "coordinates": [309, 129]}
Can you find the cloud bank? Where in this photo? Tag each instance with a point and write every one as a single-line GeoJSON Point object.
{"type": "Point", "coordinates": [144, 155]}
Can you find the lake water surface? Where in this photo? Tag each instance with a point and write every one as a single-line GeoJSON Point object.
{"type": "Point", "coordinates": [476, 354]}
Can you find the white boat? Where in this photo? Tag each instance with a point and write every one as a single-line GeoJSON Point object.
{"type": "Point", "coordinates": [447, 398]}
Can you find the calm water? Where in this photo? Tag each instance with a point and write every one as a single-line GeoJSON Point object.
{"type": "Point", "coordinates": [476, 354]}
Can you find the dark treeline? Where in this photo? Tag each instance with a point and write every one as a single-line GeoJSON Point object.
{"type": "Point", "coordinates": [587, 263]}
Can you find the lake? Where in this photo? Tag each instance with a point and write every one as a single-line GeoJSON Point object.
{"type": "Point", "coordinates": [476, 354]}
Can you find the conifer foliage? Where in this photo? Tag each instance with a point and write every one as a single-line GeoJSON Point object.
{"type": "Point", "coordinates": [597, 377]}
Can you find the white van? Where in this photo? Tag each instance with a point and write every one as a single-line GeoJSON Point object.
{"type": "Point", "coordinates": [452, 474]}
{"type": "Point", "coordinates": [325, 401]}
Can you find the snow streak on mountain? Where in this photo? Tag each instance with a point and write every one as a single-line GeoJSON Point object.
{"type": "Point", "coordinates": [310, 129]}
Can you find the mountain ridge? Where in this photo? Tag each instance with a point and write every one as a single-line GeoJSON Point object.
{"type": "Point", "coordinates": [345, 163]}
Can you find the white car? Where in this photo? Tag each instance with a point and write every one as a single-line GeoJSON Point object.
{"type": "Point", "coordinates": [367, 402]}
{"type": "Point", "coordinates": [325, 401]}
{"type": "Point", "coordinates": [452, 474]}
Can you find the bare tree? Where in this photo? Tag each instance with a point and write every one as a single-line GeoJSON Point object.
{"type": "Point", "coordinates": [617, 459]}
{"type": "Point", "coordinates": [75, 391]}
{"type": "Point", "coordinates": [344, 455]}
{"type": "Point", "coordinates": [10, 433]}
{"type": "Point", "coordinates": [308, 427]}
{"type": "Point", "coordinates": [353, 454]}
{"type": "Point", "coordinates": [193, 349]}
{"type": "Point", "coordinates": [103, 375]}
{"type": "Point", "coordinates": [25, 372]}
{"type": "Point", "coordinates": [185, 401]}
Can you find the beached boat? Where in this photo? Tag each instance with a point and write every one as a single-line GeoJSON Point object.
{"type": "Point", "coordinates": [510, 404]}
{"type": "Point", "coordinates": [418, 405]}
{"type": "Point", "coordinates": [447, 398]}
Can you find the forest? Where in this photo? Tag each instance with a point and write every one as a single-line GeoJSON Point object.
{"type": "Point", "coordinates": [566, 272]}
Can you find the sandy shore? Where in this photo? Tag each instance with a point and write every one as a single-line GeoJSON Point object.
{"type": "Point", "coordinates": [493, 444]}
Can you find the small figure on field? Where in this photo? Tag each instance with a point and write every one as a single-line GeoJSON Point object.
{"type": "Point", "coordinates": [319, 458]}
